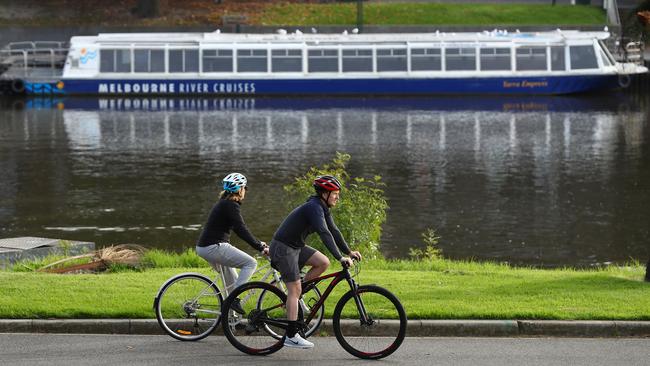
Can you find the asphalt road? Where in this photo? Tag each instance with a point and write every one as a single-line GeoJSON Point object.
{"type": "Point", "coordinates": [70, 349]}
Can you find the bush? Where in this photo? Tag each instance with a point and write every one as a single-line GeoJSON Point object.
{"type": "Point", "coordinates": [360, 212]}
{"type": "Point", "coordinates": [432, 252]}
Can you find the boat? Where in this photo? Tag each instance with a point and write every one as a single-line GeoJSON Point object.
{"type": "Point", "coordinates": [348, 63]}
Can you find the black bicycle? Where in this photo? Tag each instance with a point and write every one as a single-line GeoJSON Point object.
{"type": "Point", "coordinates": [369, 321]}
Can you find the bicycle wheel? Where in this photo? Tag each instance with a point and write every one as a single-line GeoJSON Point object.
{"type": "Point", "coordinates": [384, 331]}
{"type": "Point", "coordinates": [188, 307]}
{"type": "Point", "coordinates": [264, 308]}
{"type": "Point", "coordinates": [306, 302]}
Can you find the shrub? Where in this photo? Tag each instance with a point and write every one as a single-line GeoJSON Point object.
{"type": "Point", "coordinates": [360, 212]}
{"type": "Point", "coordinates": [431, 252]}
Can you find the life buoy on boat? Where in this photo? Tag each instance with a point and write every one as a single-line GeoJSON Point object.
{"type": "Point", "coordinates": [17, 86]}
{"type": "Point", "coordinates": [624, 80]}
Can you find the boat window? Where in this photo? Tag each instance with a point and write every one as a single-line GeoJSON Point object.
{"type": "Point", "coordinates": [149, 60]}
{"type": "Point", "coordinates": [286, 60]}
{"type": "Point", "coordinates": [460, 59]}
{"type": "Point", "coordinates": [217, 60]}
{"type": "Point", "coordinates": [583, 57]}
{"type": "Point", "coordinates": [323, 60]}
{"type": "Point", "coordinates": [183, 60]}
{"type": "Point", "coordinates": [604, 50]}
{"type": "Point", "coordinates": [391, 60]}
{"type": "Point", "coordinates": [531, 58]}
{"type": "Point", "coordinates": [115, 61]}
{"type": "Point", "coordinates": [357, 60]}
{"type": "Point", "coordinates": [557, 58]}
{"type": "Point", "coordinates": [495, 59]}
{"type": "Point", "coordinates": [106, 60]}
{"type": "Point", "coordinates": [252, 61]}
{"type": "Point", "coordinates": [425, 59]}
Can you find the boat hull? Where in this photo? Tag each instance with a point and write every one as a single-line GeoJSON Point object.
{"type": "Point", "coordinates": [549, 85]}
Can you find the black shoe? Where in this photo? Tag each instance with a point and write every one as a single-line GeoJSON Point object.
{"type": "Point", "coordinates": [236, 306]}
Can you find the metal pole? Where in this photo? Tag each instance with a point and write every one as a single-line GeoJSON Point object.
{"type": "Point", "coordinates": [360, 15]}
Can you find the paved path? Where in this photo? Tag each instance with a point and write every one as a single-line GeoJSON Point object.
{"type": "Point", "coordinates": [69, 349]}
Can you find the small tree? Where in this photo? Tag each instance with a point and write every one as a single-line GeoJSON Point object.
{"type": "Point", "coordinates": [360, 212]}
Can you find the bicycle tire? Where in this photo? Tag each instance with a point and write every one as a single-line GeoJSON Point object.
{"type": "Point", "coordinates": [313, 293]}
{"type": "Point", "coordinates": [243, 331]}
{"type": "Point", "coordinates": [177, 302]}
{"type": "Point", "coordinates": [374, 332]}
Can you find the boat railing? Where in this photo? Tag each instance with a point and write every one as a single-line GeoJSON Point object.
{"type": "Point", "coordinates": [33, 54]}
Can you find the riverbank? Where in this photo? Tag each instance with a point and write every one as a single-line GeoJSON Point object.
{"type": "Point", "coordinates": [438, 289]}
{"type": "Point", "coordinates": [195, 13]}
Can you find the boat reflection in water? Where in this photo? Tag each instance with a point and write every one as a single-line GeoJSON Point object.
{"type": "Point", "coordinates": [542, 181]}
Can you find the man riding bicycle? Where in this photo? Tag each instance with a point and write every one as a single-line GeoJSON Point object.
{"type": "Point", "coordinates": [289, 253]}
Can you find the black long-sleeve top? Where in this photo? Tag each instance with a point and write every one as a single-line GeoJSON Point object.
{"type": "Point", "coordinates": [312, 216]}
{"type": "Point", "coordinates": [226, 216]}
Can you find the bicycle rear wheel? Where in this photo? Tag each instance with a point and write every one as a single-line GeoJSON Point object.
{"type": "Point", "coordinates": [381, 334]}
{"type": "Point", "coordinates": [188, 307]}
{"type": "Point", "coordinates": [264, 316]}
{"type": "Point", "coordinates": [305, 304]}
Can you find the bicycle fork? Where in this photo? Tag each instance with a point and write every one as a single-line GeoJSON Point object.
{"type": "Point", "coordinates": [364, 318]}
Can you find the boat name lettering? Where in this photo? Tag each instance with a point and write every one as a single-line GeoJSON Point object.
{"type": "Point", "coordinates": [525, 84]}
{"type": "Point", "coordinates": [188, 104]}
{"type": "Point", "coordinates": [173, 88]}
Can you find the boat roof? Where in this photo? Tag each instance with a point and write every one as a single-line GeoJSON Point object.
{"type": "Point", "coordinates": [345, 37]}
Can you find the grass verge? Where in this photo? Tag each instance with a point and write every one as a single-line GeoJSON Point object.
{"type": "Point", "coordinates": [431, 14]}
{"type": "Point", "coordinates": [438, 289]}
{"type": "Point", "coordinates": [290, 12]}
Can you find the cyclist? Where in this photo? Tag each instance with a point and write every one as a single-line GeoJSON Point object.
{"type": "Point", "coordinates": [289, 253]}
{"type": "Point", "coordinates": [214, 245]}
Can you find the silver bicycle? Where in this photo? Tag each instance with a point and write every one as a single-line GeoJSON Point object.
{"type": "Point", "coordinates": [188, 305]}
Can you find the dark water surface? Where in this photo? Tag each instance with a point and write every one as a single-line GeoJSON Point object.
{"type": "Point", "coordinates": [543, 181]}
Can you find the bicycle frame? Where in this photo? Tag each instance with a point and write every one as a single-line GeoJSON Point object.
{"type": "Point", "coordinates": [337, 277]}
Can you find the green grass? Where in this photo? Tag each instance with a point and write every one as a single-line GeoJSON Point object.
{"type": "Point", "coordinates": [440, 289]}
{"type": "Point", "coordinates": [432, 14]}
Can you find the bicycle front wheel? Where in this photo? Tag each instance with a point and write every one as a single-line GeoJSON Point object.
{"type": "Point", "coordinates": [188, 307]}
{"type": "Point", "coordinates": [383, 330]}
{"type": "Point", "coordinates": [264, 316]}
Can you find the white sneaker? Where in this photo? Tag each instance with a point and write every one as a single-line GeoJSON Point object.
{"type": "Point", "coordinates": [297, 342]}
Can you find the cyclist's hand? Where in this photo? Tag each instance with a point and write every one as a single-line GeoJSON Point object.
{"type": "Point", "coordinates": [355, 255]}
{"type": "Point", "coordinates": [265, 249]}
{"type": "Point", "coordinates": [346, 262]}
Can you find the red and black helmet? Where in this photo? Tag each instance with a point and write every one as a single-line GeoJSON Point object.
{"type": "Point", "coordinates": [327, 183]}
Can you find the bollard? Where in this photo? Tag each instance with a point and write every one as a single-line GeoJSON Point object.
{"type": "Point", "coordinates": [647, 271]}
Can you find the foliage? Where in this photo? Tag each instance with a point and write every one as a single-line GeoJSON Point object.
{"type": "Point", "coordinates": [360, 212]}
{"type": "Point", "coordinates": [431, 252]}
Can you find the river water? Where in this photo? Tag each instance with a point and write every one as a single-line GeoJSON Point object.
{"type": "Point", "coordinates": [544, 181]}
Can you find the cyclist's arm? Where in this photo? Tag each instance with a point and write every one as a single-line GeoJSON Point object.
{"type": "Point", "coordinates": [317, 221]}
{"type": "Point", "coordinates": [336, 234]}
{"type": "Point", "coordinates": [240, 228]}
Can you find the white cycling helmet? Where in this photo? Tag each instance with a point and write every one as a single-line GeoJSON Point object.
{"type": "Point", "coordinates": [233, 182]}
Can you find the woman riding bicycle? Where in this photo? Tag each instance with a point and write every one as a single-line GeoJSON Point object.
{"type": "Point", "coordinates": [214, 245]}
{"type": "Point", "coordinates": [289, 253]}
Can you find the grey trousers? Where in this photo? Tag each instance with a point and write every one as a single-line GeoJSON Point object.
{"type": "Point", "coordinates": [226, 255]}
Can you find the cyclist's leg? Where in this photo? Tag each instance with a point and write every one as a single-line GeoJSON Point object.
{"type": "Point", "coordinates": [232, 257]}
{"type": "Point", "coordinates": [286, 261]}
{"type": "Point", "coordinates": [315, 259]}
